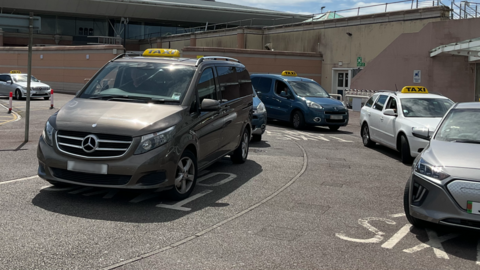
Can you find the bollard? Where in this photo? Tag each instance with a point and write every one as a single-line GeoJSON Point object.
{"type": "Point", "coordinates": [10, 102]}
{"type": "Point", "coordinates": [51, 99]}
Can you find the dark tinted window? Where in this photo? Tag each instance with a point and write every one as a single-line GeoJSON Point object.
{"type": "Point", "coordinates": [262, 85]}
{"type": "Point", "coordinates": [4, 78]}
{"type": "Point", "coordinates": [380, 103]}
{"type": "Point", "coordinates": [392, 104]}
{"type": "Point", "coordinates": [228, 81]}
{"type": "Point", "coordinates": [244, 81]}
{"type": "Point", "coordinates": [206, 85]}
{"type": "Point", "coordinates": [370, 101]}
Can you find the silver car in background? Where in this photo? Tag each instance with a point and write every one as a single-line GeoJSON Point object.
{"type": "Point", "coordinates": [444, 186]}
{"type": "Point", "coordinates": [17, 84]}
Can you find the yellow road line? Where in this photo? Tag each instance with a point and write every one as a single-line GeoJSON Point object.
{"type": "Point", "coordinates": [15, 117]}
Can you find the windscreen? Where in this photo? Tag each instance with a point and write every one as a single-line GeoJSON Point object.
{"type": "Point", "coordinates": [140, 81]}
{"type": "Point", "coordinates": [308, 89]}
{"type": "Point", "coordinates": [425, 107]}
{"type": "Point", "coordinates": [18, 78]}
{"type": "Point", "coordinates": [461, 125]}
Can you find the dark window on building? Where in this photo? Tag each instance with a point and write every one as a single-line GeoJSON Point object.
{"type": "Point", "coordinates": [90, 31]}
{"type": "Point", "coordinates": [380, 103]}
{"type": "Point", "coordinates": [229, 86]}
{"type": "Point", "coordinates": [80, 31]}
{"type": "Point", "coordinates": [206, 86]}
{"type": "Point", "coordinates": [262, 85]}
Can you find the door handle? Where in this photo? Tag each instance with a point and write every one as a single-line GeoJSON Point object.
{"type": "Point", "coordinates": [381, 119]}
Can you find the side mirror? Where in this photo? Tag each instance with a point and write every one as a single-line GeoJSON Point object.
{"type": "Point", "coordinates": [422, 133]}
{"type": "Point", "coordinates": [9, 82]}
{"type": "Point", "coordinates": [283, 94]}
{"type": "Point", "coordinates": [210, 105]}
{"type": "Point", "coordinates": [390, 112]}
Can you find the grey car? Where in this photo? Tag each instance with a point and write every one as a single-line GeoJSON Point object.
{"type": "Point", "coordinates": [150, 122]}
{"type": "Point", "coordinates": [17, 84]}
{"type": "Point", "coordinates": [259, 121]}
{"type": "Point", "coordinates": [444, 186]}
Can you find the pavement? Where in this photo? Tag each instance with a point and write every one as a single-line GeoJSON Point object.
{"type": "Point", "coordinates": [312, 199]}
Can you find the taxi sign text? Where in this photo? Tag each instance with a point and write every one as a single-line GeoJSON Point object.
{"type": "Point", "coordinates": [289, 73]}
{"type": "Point", "coordinates": [15, 71]}
{"type": "Point", "coordinates": [161, 53]}
{"type": "Point", "coordinates": [415, 89]}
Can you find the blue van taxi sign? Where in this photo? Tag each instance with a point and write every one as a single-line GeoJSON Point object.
{"type": "Point", "coordinates": [289, 73]}
{"type": "Point", "coordinates": [415, 89]}
{"type": "Point", "coordinates": [161, 53]}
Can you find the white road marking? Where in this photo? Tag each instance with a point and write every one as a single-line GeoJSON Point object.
{"type": "Point", "coordinates": [81, 190]}
{"type": "Point", "coordinates": [179, 205]}
{"type": "Point", "coordinates": [144, 197]}
{"type": "Point", "coordinates": [365, 223]}
{"type": "Point", "coordinates": [268, 132]}
{"type": "Point", "coordinates": [397, 237]}
{"type": "Point", "coordinates": [291, 137]}
{"type": "Point", "coordinates": [342, 140]}
{"type": "Point", "coordinates": [230, 177]}
{"type": "Point", "coordinates": [18, 180]}
{"type": "Point", "coordinates": [435, 242]}
{"type": "Point", "coordinates": [398, 215]}
{"type": "Point", "coordinates": [53, 188]}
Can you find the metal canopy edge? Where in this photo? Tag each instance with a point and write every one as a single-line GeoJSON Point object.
{"type": "Point", "coordinates": [19, 21]}
{"type": "Point", "coordinates": [469, 47]}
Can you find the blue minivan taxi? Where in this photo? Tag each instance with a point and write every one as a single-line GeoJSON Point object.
{"type": "Point", "coordinates": [300, 101]}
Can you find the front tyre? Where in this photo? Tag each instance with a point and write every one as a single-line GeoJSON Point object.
{"type": "Point", "coordinates": [185, 177]}
{"type": "Point", "coordinates": [405, 151]}
{"type": "Point", "coordinates": [298, 121]}
{"type": "Point", "coordinates": [18, 94]}
{"type": "Point", "coordinates": [366, 136]}
{"type": "Point", "coordinates": [240, 154]}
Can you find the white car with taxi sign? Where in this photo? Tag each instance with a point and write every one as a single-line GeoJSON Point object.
{"type": "Point", "coordinates": [16, 82]}
{"type": "Point", "coordinates": [388, 118]}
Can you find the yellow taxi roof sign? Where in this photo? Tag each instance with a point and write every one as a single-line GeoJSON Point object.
{"type": "Point", "coordinates": [15, 71]}
{"type": "Point", "coordinates": [289, 73]}
{"type": "Point", "coordinates": [161, 53]}
{"type": "Point", "coordinates": [415, 89]}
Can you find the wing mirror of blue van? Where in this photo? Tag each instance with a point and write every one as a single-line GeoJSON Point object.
{"type": "Point", "coordinates": [210, 105]}
{"type": "Point", "coordinates": [284, 94]}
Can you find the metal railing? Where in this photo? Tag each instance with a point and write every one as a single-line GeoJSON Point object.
{"type": "Point", "coordinates": [464, 10]}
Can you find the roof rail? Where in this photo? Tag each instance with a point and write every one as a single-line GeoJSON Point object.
{"type": "Point", "coordinates": [201, 59]}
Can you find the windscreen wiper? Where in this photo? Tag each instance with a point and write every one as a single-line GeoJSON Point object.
{"type": "Point", "coordinates": [466, 141]}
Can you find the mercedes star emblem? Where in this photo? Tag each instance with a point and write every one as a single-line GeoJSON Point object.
{"type": "Point", "coordinates": [90, 143]}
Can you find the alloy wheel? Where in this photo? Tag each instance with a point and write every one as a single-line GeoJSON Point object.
{"type": "Point", "coordinates": [185, 175]}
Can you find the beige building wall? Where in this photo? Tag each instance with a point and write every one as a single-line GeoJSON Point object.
{"type": "Point", "coordinates": [64, 68]}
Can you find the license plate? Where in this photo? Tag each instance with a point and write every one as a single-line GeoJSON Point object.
{"type": "Point", "coordinates": [87, 167]}
{"type": "Point", "coordinates": [473, 207]}
{"type": "Point", "coordinates": [336, 117]}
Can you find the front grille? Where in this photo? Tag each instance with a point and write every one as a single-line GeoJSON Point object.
{"type": "Point", "coordinates": [108, 145]}
{"type": "Point", "coordinates": [37, 95]}
{"type": "Point", "coordinates": [90, 178]}
{"type": "Point", "coordinates": [335, 120]}
{"type": "Point", "coordinates": [40, 88]}
{"type": "Point", "coordinates": [464, 191]}
{"type": "Point", "coordinates": [344, 113]}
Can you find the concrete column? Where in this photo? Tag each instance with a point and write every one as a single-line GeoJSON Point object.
{"type": "Point", "coordinates": [193, 41]}
{"type": "Point", "coordinates": [240, 39]}
{"type": "Point", "coordinates": [1, 37]}
{"type": "Point", "coordinates": [158, 43]}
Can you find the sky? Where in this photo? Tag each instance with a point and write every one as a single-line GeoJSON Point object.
{"type": "Point", "coordinates": [315, 6]}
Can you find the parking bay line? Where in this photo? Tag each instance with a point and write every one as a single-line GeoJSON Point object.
{"type": "Point", "coordinates": [219, 224]}
{"type": "Point", "coordinates": [397, 237]}
{"type": "Point", "coordinates": [18, 180]}
{"type": "Point", "coordinates": [178, 205]}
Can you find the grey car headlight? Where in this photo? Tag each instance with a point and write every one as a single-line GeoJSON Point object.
{"type": "Point", "coordinates": [154, 140]}
{"type": "Point", "coordinates": [48, 134]}
{"type": "Point", "coordinates": [314, 105]}
{"type": "Point", "coordinates": [260, 108]}
{"type": "Point", "coordinates": [429, 170]}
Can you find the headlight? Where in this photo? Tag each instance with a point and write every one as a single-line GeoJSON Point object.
{"type": "Point", "coordinates": [260, 108]}
{"type": "Point", "coordinates": [426, 169]}
{"type": "Point", "coordinates": [48, 134]}
{"type": "Point", "coordinates": [154, 140]}
{"type": "Point", "coordinates": [314, 105]}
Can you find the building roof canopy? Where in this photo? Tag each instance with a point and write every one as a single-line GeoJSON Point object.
{"type": "Point", "coordinates": [469, 48]}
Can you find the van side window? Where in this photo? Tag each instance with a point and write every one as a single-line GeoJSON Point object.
{"type": "Point", "coordinates": [262, 85]}
{"type": "Point", "coordinates": [281, 87]}
{"type": "Point", "coordinates": [380, 103]}
{"type": "Point", "coordinates": [227, 78]}
{"type": "Point", "coordinates": [206, 86]}
{"type": "Point", "coordinates": [244, 81]}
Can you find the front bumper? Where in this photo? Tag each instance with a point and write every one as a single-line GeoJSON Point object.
{"type": "Point", "coordinates": [438, 205]}
{"type": "Point", "coordinates": [35, 93]}
{"type": "Point", "coordinates": [318, 117]}
{"type": "Point", "coordinates": [416, 145]}
{"type": "Point", "coordinates": [152, 170]}
{"type": "Point", "coordinates": [259, 123]}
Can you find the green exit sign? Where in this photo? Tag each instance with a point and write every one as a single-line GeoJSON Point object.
{"type": "Point", "coordinates": [359, 60]}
